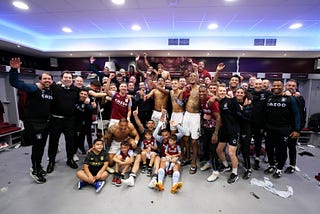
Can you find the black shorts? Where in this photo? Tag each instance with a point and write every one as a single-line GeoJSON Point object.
{"type": "Point", "coordinates": [231, 139]}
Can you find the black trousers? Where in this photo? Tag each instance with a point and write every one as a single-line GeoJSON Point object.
{"type": "Point", "coordinates": [245, 140]}
{"type": "Point", "coordinates": [292, 147]}
{"type": "Point", "coordinates": [276, 147]}
{"type": "Point", "coordinates": [209, 149]}
{"type": "Point", "coordinates": [258, 136]}
{"type": "Point", "coordinates": [38, 146]}
{"type": "Point", "coordinates": [82, 131]}
{"type": "Point", "coordinates": [57, 126]}
{"type": "Point", "coordinates": [36, 133]}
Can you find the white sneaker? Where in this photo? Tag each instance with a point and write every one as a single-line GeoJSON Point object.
{"type": "Point", "coordinates": [205, 166]}
{"type": "Point", "coordinates": [152, 183]}
{"type": "Point", "coordinates": [214, 176]}
{"type": "Point", "coordinates": [129, 181]}
{"type": "Point", "coordinates": [75, 157]}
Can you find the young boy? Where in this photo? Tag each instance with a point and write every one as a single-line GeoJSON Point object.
{"type": "Point", "coordinates": [124, 158]}
{"type": "Point", "coordinates": [148, 148]}
{"type": "Point", "coordinates": [94, 167]}
{"type": "Point", "coordinates": [170, 162]}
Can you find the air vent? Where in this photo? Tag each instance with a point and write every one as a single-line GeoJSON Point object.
{"type": "Point", "coordinates": [184, 41]}
{"type": "Point", "coordinates": [259, 42]}
{"type": "Point", "coordinates": [271, 42]}
{"type": "Point", "coordinates": [173, 41]}
{"type": "Point", "coordinates": [181, 41]}
{"type": "Point", "coordinates": [265, 42]}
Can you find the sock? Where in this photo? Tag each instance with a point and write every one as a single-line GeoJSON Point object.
{"type": "Point", "coordinates": [235, 171]}
{"type": "Point", "coordinates": [225, 163]}
{"type": "Point", "coordinates": [160, 175]}
{"type": "Point", "coordinates": [133, 175]}
{"type": "Point", "coordinates": [171, 166]}
{"type": "Point", "coordinates": [155, 176]}
{"type": "Point", "coordinates": [167, 165]}
{"type": "Point", "coordinates": [175, 177]}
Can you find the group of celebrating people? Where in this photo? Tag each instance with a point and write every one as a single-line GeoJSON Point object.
{"type": "Point", "coordinates": [156, 123]}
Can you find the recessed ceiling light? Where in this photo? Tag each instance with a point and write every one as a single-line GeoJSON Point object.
{"type": "Point", "coordinates": [135, 27]}
{"type": "Point", "coordinates": [213, 26]}
{"type": "Point", "coordinates": [295, 26]}
{"type": "Point", "coordinates": [67, 29]}
{"type": "Point", "coordinates": [21, 5]}
{"type": "Point", "coordinates": [18, 46]}
{"type": "Point", "coordinates": [119, 2]}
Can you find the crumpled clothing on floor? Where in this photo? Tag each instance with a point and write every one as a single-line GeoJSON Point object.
{"type": "Point", "coordinates": [268, 185]}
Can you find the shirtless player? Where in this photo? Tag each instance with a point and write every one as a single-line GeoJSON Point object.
{"type": "Point", "coordinates": [177, 105]}
{"type": "Point", "coordinates": [160, 95]}
{"type": "Point", "coordinates": [191, 120]}
{"type": "Point", "coordinates": [118, 133]}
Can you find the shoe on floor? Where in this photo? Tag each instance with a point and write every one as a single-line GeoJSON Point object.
{"type": "Point", "coordinates": [153, 182]}
{"type": "Point", "coordinates": [193, 170]}
{"type": "Point", "coordinates": [50, 167]}
{"type": "Point", "coordinates": [176, 187]}
{"type": "Point", "coordinates": [118, 182]}
{"type": "Point", "coordinates": [277, 173]}
{"type": "Point", "coordinates": [247, 174]}
{"type": "Point", "coordinates": [159, 186]}
{"type": "Point", "coordinates": [129, 181]}
{"type": "Point", "coordinates": [98, 185]}
{"type": "Point", "coordinates": [214, 176]}
{"type": "Point", "coordinates": [205, 167]}
{"type": "Point", "coordinates": [149, 171]}
{"type": "Point", "coordinates": [75, 157]}
{"type": "Point", "coordinates": [223, 168]}
{"type": "Point", "coordinates": [290, 170]}
{"type": "Point", "coordinates": [270, 170]}
{"type": "Point", "coordinates": [37, 177]}
{"type": "Point", "coordinates": [82, 184]}
{"type": "Point", "coordinates": [72, 164]}
{"type": "Point", "coordinates": [40, 171]}
{"type": "Point", "coordinates": [233, 178]}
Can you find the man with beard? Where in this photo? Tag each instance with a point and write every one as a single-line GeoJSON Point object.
{"type": "Point", "coordinates": [282, 123]}
{"type": "Point", "coordinates": [36, 115]}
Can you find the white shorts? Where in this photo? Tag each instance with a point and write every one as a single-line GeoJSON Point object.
{"type": "Point", "coordinates": [177, 117]}
{"type": "Point", "coordinates": [149, 154]}
{"type": "Point", "coordinates": [156, 117]}
{"type": "Point", "coordinates": [115, 147]}
{"type": "Point", "coordinates": [191, 125]}
{"type": "Point", "coordinates": [113, 121]}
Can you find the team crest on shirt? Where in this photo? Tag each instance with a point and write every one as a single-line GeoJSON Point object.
{"type": "Point", "coordinates": [101, 158]}
{"type": "Point", "coordinates": [283, 99]}
{"type": "Point", "coordinates": [225, 106]}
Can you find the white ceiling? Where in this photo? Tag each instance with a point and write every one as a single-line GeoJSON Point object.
{"type": "Point", "coordinates": [101, 28]}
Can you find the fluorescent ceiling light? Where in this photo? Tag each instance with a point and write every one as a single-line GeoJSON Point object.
{"type": "Point", "coordinates": [213, 26]}
{"type": "Point", "coordinates": [135, 27]}
{"type": "Point", "coordinates": [67, 29]}
{"type": "Point", "coordinates": [295, 26]}
{"type": "Point", "coordinates": [119, 2]}
{"type": "Point", "coordinates": [21, 5]}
